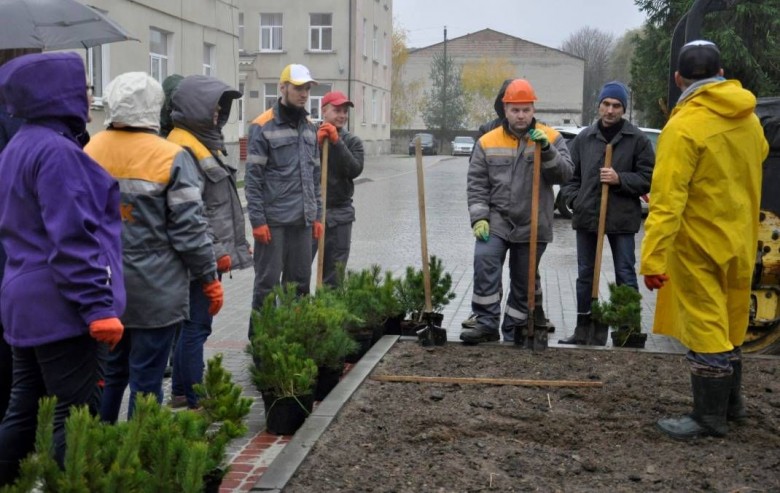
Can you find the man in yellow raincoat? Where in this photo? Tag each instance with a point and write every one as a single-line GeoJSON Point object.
{"type": "Point", "coordinates": [701, 234]}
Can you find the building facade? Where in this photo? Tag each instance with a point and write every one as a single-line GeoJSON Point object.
{"type": "Point", "coordinates": [184, 37]}
{"type": "Point", "coordinates": [345, 43]}
{"type": "Point", "coordinates": [557, 77]}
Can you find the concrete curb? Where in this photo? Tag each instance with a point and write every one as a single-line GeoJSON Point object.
{"type": "Point", "coordinates": [289, 460]}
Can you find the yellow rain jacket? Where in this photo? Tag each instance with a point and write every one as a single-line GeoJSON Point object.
{"type": "Point", "coordinates": [703, 223]}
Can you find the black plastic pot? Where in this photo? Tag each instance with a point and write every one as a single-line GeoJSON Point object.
{"type": "Point", "coordinates": [327, 379]}
{"type": "Point", "coordinates": [365, 341]}
{"type": "Point", "coordinates": [212, 480]}
{"type": "Point", "coordinates": [376, 333]}
{"type": "Point", "coordinates": [284, 415]}
{"type": "Point", "coordinates": [621, 338]}
{"type": "Point", "coordinates": [393, 324]}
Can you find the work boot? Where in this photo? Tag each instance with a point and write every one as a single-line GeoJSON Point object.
{"type": "Point", "coordinates": [710, 404]}
{"type": "Point", "coordinates": [580, 336]}
{"type": "Point", "coordinates": [470, 322]}
{"type": "Point", "coordinates": [736, 411]}
{"type": "Point", "coordinates": [598, 334]}
{"type": "Point", "coordinates": [477, 335]}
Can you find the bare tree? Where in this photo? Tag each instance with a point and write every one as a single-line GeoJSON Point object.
{"type": "Point", "coordinates": [595, 47]}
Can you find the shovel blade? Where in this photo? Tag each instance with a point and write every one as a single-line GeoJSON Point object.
{"type": "Point", "coordinates": [540, 338]}
{"type": "Point", "coordinates": [528, 336]}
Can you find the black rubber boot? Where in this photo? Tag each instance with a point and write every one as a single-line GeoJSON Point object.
{"type": "Point", "coordinates": [475, 336]}
{"type": "Point", "coordinates": [598, 334]}
{"type": "Point", "coordinates": [736, 411]}
{"type": "Point", "coordinates": [710, 402]}
{"type": "Point", "coordinates": [580, 336]}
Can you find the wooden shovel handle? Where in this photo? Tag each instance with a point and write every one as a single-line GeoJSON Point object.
{"type": "Point", "coordinates": [534, 230]}
{"type": "Point", "coordinates": [423, 226]}
{"type": "Point", "coordinates": [324, 195]}
{"type": "Point", "coordinates": [602, 226]}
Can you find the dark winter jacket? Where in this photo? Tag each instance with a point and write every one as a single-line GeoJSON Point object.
{"type": "Point", "coordinates": [498, 105]}
{"type": "Point", "coordinates": [345, 163]}
{"type": "Point", "coordinates": [8, 127]}
{"type": "Point", "coordinates": [633, 159]}
{"type": "Point", "coordinates": [59, 210]}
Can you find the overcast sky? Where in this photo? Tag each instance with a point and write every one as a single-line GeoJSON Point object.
{"type": "Point", "coordinates": [547, 22]}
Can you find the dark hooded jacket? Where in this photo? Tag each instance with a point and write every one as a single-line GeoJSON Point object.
{"type": "Point", "coordinates": [59, 210]}
{"type": "Point", "coordinates": [169, 85]}
{"type": "Point", "coordinates": [498, 105]}
{"type": "Point", "coordinates": [193, 103]}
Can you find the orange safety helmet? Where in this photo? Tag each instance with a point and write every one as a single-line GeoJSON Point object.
{"type": "Point", "coordinates": [519, 91]}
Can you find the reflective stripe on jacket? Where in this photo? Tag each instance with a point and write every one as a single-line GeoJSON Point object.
{"type": "Point", "coordinates": [500, 183]}
{"type": "Point", "coordinates": [222, 205]}
{"type": "Point", "coordinates": [702, 230]}
{"type": "Point", "coordinates": [282, 181]}
{"type": "Point", "coordinates": [163, 229]}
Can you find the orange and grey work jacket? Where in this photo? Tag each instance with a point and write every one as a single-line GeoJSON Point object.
{"type": "Point", "coordinates": [500, 182]}
{"type": "Point", "coordinates": [164, 237]}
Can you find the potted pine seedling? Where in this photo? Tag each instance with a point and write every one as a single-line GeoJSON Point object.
{"type": "Point", "coordinates": [410, 292]}
{"type": "Point", "coordinates": [623, 312]}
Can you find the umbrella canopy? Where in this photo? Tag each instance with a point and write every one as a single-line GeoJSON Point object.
{"type": "Point", "coordinates": [55, 25]}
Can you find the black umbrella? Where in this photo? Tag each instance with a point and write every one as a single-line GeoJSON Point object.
{"type": "Point", "coordinates": [56, 25]}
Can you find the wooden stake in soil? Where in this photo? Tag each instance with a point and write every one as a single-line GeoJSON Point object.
{"type": "Point", "coordinates": [487, 381]}
{"type": "Point", "coordinates": [324, 198]}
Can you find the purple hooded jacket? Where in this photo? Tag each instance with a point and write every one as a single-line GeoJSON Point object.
{"type": "Point", "coordinates": [59, 210]}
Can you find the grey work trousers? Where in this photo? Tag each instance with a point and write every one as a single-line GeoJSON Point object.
{"type": "Point", "coordinates": [286, 257]}
{"type": "Point", "coordinates": [488, 265]}
{"type": "Point", "coordinates": [338, 239]}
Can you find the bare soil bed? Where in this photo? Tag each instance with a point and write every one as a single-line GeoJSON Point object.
{"type": "Point", "coordinates": [410, 437]}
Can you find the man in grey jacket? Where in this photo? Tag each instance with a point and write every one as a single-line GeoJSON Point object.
{"type": "Point", "coordinates": [628, 179]}
{"type": "Point", "coordinates": [345, 163]}
{"type": "Point", "coordinates": [283, 188]}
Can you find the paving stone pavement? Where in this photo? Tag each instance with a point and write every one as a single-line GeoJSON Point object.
{"type": "Point", "coordinates": [387, 233]}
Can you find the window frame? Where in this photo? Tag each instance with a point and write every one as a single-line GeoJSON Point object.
{"type": "Point", "coordinates": [160, 59]}
{"type": "Point", "coordinates": [102, 66]}
{"type": "Point", "coordinates": [271, 29]}
{"type": "Point", "coordinates": [210, 69]}
{"type": "Point", "coordinates": [266, 103]}
{"type": "Point", "coordinates": [321, 28]}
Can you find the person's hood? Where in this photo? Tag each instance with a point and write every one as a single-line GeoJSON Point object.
{"type": "Point", "coordinates": [726, 98]}
{"type": "Point", "coordinates": [134, 99]}
{"type": "Point", "coordinates": [46, 86]}
{"type": "Point", "coordinates": [169, 85]}
{"type": "Point", "coordinates": [194, 102]}
{"type": "Point", "coordinates": [499, 104]}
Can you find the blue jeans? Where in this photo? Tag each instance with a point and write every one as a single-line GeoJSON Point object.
{"type": "Point", "coordinates": [69, 370]}
{"type": "Point", "coordinates": [139, 359]}
{"type": "Point", "coordinates": [188, 355]}
{"type": "Point", "coordinates": [623, 255]}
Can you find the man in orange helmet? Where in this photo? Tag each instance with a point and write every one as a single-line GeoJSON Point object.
{"type": "Point", "coordinates": [500, 181]}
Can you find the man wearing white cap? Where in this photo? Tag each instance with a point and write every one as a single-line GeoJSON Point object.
{"type": "Point", "coordinates": [282, 187]}
{"type": "Point", "coordinates": [345, 163]}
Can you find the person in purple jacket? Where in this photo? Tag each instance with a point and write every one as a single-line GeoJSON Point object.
{"type": "Point", "coordinates": [60, 226]}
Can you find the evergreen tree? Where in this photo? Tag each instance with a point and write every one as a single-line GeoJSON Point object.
{"type": "Point", "coordinates": [444, 110]}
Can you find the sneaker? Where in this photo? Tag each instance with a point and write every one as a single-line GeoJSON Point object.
{"type": "Point", "coordinates": [475, 336]}
{"type": "Point", "coordinates": [470, 322]}
{"type": "Point", "coordinates": [177, 402]}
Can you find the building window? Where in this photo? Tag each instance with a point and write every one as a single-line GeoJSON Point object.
{"type": "Point", "coordinates": [383, 120]}
{"type": "Point", "coordinates": [240, 110]}
{"type": "Point", "coordinates": [384, 51]}
{"type": "Point", "coordinates": [374, 107]}
{"type": "Point", "coordinates": [365, 36]}
{"type": "Point", "coordinates": [270, 32]}
{"type": "Point", "coordinates": [315, 100]}
{"type": "Point", "coordinates": [240, 32]}
{"type": "Point", "coordinates": [376, 43]}
{"type": "Point", "coordinates": [271, 95]}
{"type": "Point", "coordinates": [363, 105]}
{"type": "Point", "coordinates": [208, 59]}
{"type": "Point", "coordinates": [158, 54]}
{"type": "Point", "coordinates": [320, 32]}
{"type": "Point", "coordinates": [97, 66]}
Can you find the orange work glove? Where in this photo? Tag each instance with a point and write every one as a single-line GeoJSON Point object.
{"type": "Point", "coordinates": [262, 234]}
{"type": "Point", "coordinates": [213, 291]}
{"type": "Point", "coordinates": [107, 330]}
{"type": "Point", "coordinates": [329, 131]}
{"type": "Point", "coordinates": [224, 263]}
{"type": "Point", "coordinates": [316, 230]}
{"type": "Point", "coordinates": [655, 281]}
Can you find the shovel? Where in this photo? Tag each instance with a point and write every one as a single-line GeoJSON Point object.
{"type": "Point", "coordinates": [324, 198]}
{"type": "Point", "coordinates": [597, 332]}
{"type": "Point", "coordinates": [535, 337]}
{"type": "Point", "coordinates": [430, 334]}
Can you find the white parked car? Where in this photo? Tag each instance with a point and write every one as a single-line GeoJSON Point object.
{"type": "Point", "coordinates": [568, 133]}
{"type": "Point", "coordinates": [462, 146]}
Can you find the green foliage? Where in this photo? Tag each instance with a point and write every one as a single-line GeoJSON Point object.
{"type": "Point", "coordinates": [745, 33]}
{"type": "Point", "coordinates": [623, 310]}
{"type": "Point", "coordinates": [317, 323]}
{"type": "Point", "coordinates": [411, 289]}
{"type": "Point", "coordinates": [157, 450]}
{"type": "Point", "coordinates": [369, 296]}
{"type": "Point", "coordinates": [281, 367]}
{"type": "Point", "coordinates": [444, 108]}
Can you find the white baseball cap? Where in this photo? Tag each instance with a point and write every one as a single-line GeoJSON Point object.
{"type": "Point", "coordinates": [296, 74]}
